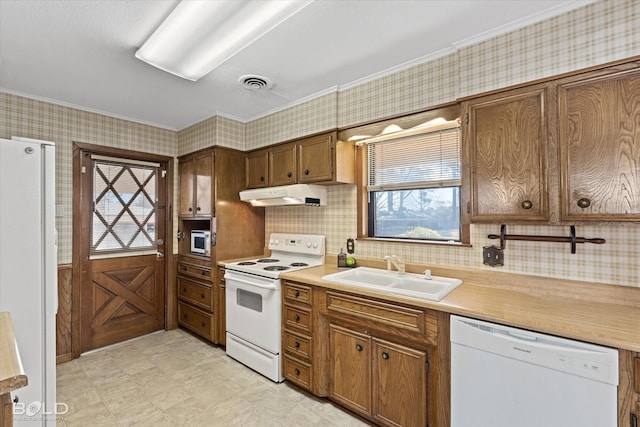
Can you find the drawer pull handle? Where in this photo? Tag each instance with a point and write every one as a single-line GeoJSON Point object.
{"type": "Point", "coordinates": [202, 296]}
{"type": "Point", "coordinates": [184, 289]}
{"type": "Point", "coordinates": [296, 317]}
{"type": "Point", "coordinates": [288, 174]}
{"type": "Point", "coordinates": [296, 293]}
{"type": "Point", "coordinates": [202, 323]}
{"type": "Point", "coordinates": [297, 371]}
{"type": "Point", "coordinates": [203, 273]}
{"type": "Point", "coordinates": [184, 268]}
{"type": "Point", "coordinates": [190, 209]}
{"type": "Point", "coordinates": [306, 171]}
{"type": "Point", "coordinates": [198, 209]}
{"type": "Point", "coordinates": [296, 344]}
{"type": "Point", "coordinates": [261, 178]}
{"type": "Point", "coordinates": [16, 399]}
{"type": "Point", "coordinates": [359, 347]}
{"type": "Point", "coordinates": [527, 204]}
{"type": "Point", "coordinates": [184, 316]}
{"type": "Point", "coordinates": [385, 355]}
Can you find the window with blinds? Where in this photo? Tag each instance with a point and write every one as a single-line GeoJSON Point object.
{"type": "Point", "coordinates": [414, 180]}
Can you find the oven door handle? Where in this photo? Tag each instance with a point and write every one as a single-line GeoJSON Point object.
{"type": "Point", "coordinates": [228, 276]}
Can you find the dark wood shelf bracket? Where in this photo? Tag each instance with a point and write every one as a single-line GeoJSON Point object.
{"type": "Point", "coordinates": [503, 236]}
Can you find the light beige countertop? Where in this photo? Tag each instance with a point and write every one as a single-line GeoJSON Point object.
{"type": "Point", "coordinates": [12, 376]}
{"type": "Point", "coordinates": [597, 313]}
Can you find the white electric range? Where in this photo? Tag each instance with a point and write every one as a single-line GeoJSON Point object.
{"type": "Point", "coordinates": [253, 300]}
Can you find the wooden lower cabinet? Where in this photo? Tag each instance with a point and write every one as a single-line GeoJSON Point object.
{"type": "Point", "coordinates": [386, 362]}
{"type": "Point", "coordinates": [399, 384]}
{"type": "Point", "coordinates": [6, 410]}
{"type": "Point", "coordinates": [350, 369]}
{"type": "Point", "coordinates": [377, 378]}
{"type": "Point", "coordinates": [198, 321]}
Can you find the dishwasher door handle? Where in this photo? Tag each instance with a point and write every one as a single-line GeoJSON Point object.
{"type": "Point", "coordinates": [522, 336]}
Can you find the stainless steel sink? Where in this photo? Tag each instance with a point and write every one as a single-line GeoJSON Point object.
{"type": "Point", "coordinates": [409, 284]}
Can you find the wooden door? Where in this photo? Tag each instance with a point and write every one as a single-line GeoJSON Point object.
{"type": "Point", "coordinates": [256, 167]}
{"type": "Point", "coordinates": [122, 286]}
{"type": "Point", "coordinates": [316, 159]}
{"type": "Point", "coordinates": [599, 136]}
{"type": "Point", "coordinates": [282, 165]}
{"type": "Point", "coordinates": [399, 385]}
{"type": "Point", "coordinates": [350, 369]}
{"type": "Point", "coordinates": [507, 139]}
{"type": "Point", "coordinates": [203, 175]}
{"type": "Point", "coordinates": [186, 173]}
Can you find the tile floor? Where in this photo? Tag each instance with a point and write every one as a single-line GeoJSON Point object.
{"type": "Point", "coordinates": [174, 379]}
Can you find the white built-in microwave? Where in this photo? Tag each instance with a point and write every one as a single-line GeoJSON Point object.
{"type": "Point", "coordinates": [201, 242]}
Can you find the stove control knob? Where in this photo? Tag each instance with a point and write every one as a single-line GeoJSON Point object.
{"type": "Point", "coordinates": [308, 244]}
{"type": "Point", "coordinates": [315, 245]}
{"type": "Point", "coordinates": [276, 242]}
{"type": "Point", "coordinates": [271, 242]}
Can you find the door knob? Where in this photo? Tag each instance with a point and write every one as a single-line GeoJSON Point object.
{"type": "Point", "coordinates": [160, 254]}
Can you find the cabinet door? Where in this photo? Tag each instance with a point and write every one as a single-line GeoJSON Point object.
{"type": "Point", "coordinates": [203, 171]}
{"type": "Point", "coordinates": [282, 165]}
{"type": "Point", "coordinates": [399, 384]}
{"type": "Point", "coordinates": [350, 369]}
{"type": "Point", "coordinates": [599, 136]}
{"type": "Point", "coordinates": [507, 139]}
{"type": "Point", "coordinates": [315, 159]}
{"type": "Point", "coordinates": [256, 169]}
{"type": "Point", "coordinates": [186, 187]}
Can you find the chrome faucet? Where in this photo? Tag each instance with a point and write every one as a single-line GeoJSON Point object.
{"type": "Point", "coordinates": [397, 262]}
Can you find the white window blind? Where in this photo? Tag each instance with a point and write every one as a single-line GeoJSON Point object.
{"type": "Point", "coordinates": [428, 159]}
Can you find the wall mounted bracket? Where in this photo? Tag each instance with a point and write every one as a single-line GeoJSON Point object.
{"type": "Point", "coordinates": [503, 236]}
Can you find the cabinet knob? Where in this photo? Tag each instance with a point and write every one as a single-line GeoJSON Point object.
{"type": "Point", "coordinates": [296, 344]}
{"type": "Point", "coordinates": [203, 273]}
{"type": "Point", "coordinates": [262, 179]}
{"type": "Point", "coordinates": [198, 209]}
{"type": "Point", "coordinates": [184, 268]}
{"type": "Point", "coordinates": [385, 355]}
{"type": "Point", "coordinates": [190, 209]}
{"type": "Point", "coordinates": [184, 316]}
{"type": "Point", "coordinates": [584, 203]}
{"type": "Point", "coordinates": [306, 171]}
{"type": "Point", "coordinates": [359, 347]}
{"type": "Point", "coordinates": [202, 296]}
{"type": "Point", "coordinates": [202, 324]}
{"type": "Point", "coordinates": [296, 317]}
{"type": "Point", "coordinates": [288, 174]}
{"type": "Point", "coordinates": [296, 293]}
{"type": "Point", "coordinates": [297, 371]}
{"type": "Point", "coordinates": [527, 204]}
{"type": "Point", "coordinates": [184, 289]}
{"type": "Point", "coordinates": [16, 399]}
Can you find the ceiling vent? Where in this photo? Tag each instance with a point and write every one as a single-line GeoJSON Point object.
{"type": "Point", "coordinates": [254, 82]}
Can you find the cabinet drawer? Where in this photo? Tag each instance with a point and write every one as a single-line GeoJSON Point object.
{"type": "Point", "coordinates": [297, 372]}
{"type": "Point", "coordinates": [196, 293]}
{"type": "Point", "coordinates": [195, 320]}
{"type": "Point", "coordinates": [296, 292]}
{"type": "Point", "coordinates": [297, 345]}
{"type": "Point", "coordinates": [379, 312]}
{"type": "Point", "coordinates": [192, 270]}
{"type": "Point", "coordinates": [297, 317]}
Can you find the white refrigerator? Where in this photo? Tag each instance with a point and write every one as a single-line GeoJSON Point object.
{"type": "Point", "coordinates": [28, 270]}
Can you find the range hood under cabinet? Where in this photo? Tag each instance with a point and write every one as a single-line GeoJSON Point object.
{"type": "Point", "coordinates": [286, 195]}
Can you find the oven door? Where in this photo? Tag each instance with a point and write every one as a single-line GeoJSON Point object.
{"type": "Point", "coordinates": [253, 309]}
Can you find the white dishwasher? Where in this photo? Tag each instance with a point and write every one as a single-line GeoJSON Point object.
{"type": "Point", "coordinates": [505, 377]}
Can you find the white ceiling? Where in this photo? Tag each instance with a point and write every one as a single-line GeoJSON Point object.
{"type": "Point", "coordinates": [81, 53]}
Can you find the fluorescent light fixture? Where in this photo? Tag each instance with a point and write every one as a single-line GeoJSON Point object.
{"type": "Point", "coordinates": [199, 35]}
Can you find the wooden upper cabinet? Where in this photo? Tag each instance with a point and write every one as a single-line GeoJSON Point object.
{"type": "Point", "coordinates": [599, 138]}
{"type": "Point", "coordinates": [318, 159]}
{"type": "Point", "coordinates": [282, 165]}
{"type": "Point", "coordinates": [196, 184]}
{"type": "Point", "coordinates": [506, 138]}
{"type": "Point", "coordinates": [256, 167]}
{"type": "Point", "coordinates": [315, 159]}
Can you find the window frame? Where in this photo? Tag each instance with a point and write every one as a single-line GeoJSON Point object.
{"type": "Point", "coordinates": [450, 111]}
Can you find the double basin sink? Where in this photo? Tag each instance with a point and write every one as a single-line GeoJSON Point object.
{"type": "Point", "coordinates": [409, 284]}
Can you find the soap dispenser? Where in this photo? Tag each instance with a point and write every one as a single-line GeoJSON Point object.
{"type": "Point", "coordinates": [342, 259]}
